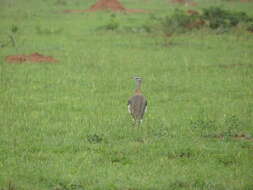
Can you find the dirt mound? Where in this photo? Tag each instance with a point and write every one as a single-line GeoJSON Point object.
{"type": "Point", "coordinates": [34, 57]}
{"type": "Point", "coordinates": [185, 2]}
{"type": "Point", "coordinates": [112, 5]}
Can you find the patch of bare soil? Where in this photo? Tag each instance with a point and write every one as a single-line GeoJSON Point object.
{"type": "Point", "coordinates": [196, 24]}
{"type": "Point", "coordinates": [185, 2]}
{"type": "Point", "coordinates": [243, 137]}
{"type": "Point", "coordinates": [246, 1]}
{"type": "Point", "coordinates": [112, 5]}
{"type": "Point", "coordinates": [240, 136]}
{"type": "Point", "coordinates": [231, 66]}
{"type": "Point", "coordinates": [192, 12]}
{"type": "Point", "coordinates": [34, 57]}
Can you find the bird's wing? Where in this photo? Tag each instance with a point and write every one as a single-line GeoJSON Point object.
{"type": "Point", "coordinates": [129, 106]}
{"type": "Point", "coordinates": [146, 106]}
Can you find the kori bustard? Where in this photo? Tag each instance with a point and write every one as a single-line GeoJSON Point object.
{"type": "Point", "coordinates": [137, 104]}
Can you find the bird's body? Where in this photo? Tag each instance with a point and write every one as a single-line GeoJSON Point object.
{"type": "Point", "coordinates": [137, 104]}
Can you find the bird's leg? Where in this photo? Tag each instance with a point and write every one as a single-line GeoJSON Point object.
{"type": "Point", "coordinates": [138, 123]}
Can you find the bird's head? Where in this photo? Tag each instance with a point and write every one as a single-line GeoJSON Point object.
{"type": "Point", "coordinates": [138, 85]}
{"type": "Point", "coordinates": [137, 78]}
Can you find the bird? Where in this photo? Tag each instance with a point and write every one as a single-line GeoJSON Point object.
{"type": "Point", "coordinates": [137, 104]}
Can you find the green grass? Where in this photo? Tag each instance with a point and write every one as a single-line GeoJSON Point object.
{"type": "Point", "coordinates": [65, 126]}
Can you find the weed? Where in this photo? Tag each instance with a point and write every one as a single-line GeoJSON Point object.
{"type": "Point", "coordinates": [203, 124]}
{"type": "Point", "coordinates": [209, 128]}
{"type": "Point", "coordinates": [145, 28]}
{"type": "Point", "coordinates": [120, 158]}
{"type": "Point", "coordinates": [195, 184]}
{"type": "Point", "coordinates": [232, 125]}
{"type": "Point", "coordinates": [11, 37]}
{"type": "Point", "coordinates": [151, 24]}
{"type": "Point", "coordinates": [94, 138]}
{"type": "Point", "coordinates": [113, 24]}
{"type": "Point", "coordinates": [14, 29]}
{"type": "Point", "coordinates": [205, 127]}
{"type": "Point", "coordinates": [48, 31]}
{"type": "Point", "coordinates": [199, 184]}
{"type": "Point", "coordinates": [248, 186]}
{"type": "Point", "coordinates": [250, 27]}
{"type": "Point", "coordinates": [226, 160]}
{"type": "Point", "coordinates": [10, 186]}
{"type": "Point", "coordinates": [184, 153]}
{"type": "Point", "coordinates": [60, 2]}
{"type": "Point", "coordinates": [62, 186]}
{"type": "Point", "coordinates": [161, 132]}
{"type": "Point", "coordinates": [116, 157]}
{"type": "Point", "coordinates": [179, 184]}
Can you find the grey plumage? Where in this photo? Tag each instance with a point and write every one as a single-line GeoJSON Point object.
{"type": "Point", "coordinates": [137, 104]}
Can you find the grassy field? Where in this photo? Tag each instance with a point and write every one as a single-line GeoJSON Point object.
{"type": "Point", "coordinates": [65, 126]}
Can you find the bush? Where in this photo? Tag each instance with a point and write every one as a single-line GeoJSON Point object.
{"type": "Point", "coordinates": [250, 27]}
{"type": "Point", "coordinates": [180, 22]}
{"type": "Point", "coordinates": [48, 31]}
{"type": "Point", "coordinates": [212, 17]}
{"type": "Point", "coordinates": [94, 138]}
{"type": "Point", "coordinates": [113, 23]}
{"type": "Point", "coordinates": [219, 18]}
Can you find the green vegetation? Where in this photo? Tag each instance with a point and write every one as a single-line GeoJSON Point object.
{"type": "Point", "coordinates": [65, 125]}
{"type": "Point", "coordinates": [218, 17]}
{"type": "Point", "coordinates": [212, 17]}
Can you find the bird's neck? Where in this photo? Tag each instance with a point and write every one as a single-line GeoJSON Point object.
{"type": "Point", "coordinates": [138, 87]}
{"type": "Point", "coordinates": [138, 91]}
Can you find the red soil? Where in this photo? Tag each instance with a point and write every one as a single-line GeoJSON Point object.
{"type": "Point", "coordinates": [185, 2]}
{"type": "Point", "coordinates": [192, 12]}
{"type": "Point", "coordinates": [112, 5]}
{"type": "Point", "coordinates": [230, 66]}
{"type": "Point", "coordinates": [196, 24]}
{"type": "Point", "coordinates": [34, 57]}
{"type": "Point", "coordinates": [243, 137]}
{"type": "Point", "coordinates": [239, 136]}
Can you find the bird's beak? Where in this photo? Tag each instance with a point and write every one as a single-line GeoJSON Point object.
{"type": "Point", "coordinates": [137, 78]}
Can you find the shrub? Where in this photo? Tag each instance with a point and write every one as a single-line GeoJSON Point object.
{"type": "Point", "coordinates": [233, 125]}
{"type": "Point", "coordinates": [217, 17]}
{"type": "Point", "coordinates": [48, 31]}
{"type": "Point", "coordinates": [113, 23]}
{"type": "Point", "coordinates": [250, 27]}
{"type": "Point", "coordinates": [180, 22]}
{"type": "Point", "coordinates": [14, 29]}
{"type": "Point", "coordinates": [94, 138]}
{"type": "Point", "coordinates": [212, 17]}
